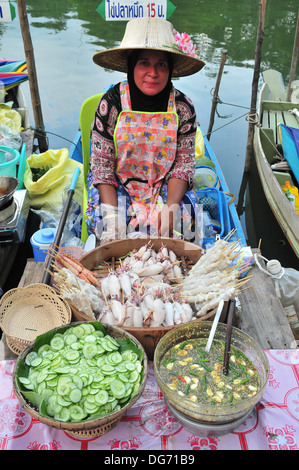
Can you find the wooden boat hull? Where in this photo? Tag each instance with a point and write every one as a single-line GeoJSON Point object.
{"type": "Point", "coordinates": [271, 113]}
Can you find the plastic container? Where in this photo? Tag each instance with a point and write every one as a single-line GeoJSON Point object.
{"type": "Point", "coordinates": [8, 168]}
{"type": "Point", "coordinates": [205, 177]}
{"type": "Point", "coordinates": [286, 282]}
{"type": "Point", "coordinates": [292, 194]}
{"type": "Point", "coordinates": [40, 241]}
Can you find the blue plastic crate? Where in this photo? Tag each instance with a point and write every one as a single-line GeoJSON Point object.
{"type": "Point", "coordinates": [215, 202]}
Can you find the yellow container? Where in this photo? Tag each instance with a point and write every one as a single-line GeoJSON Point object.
{"type": "Point", "coordinates": [293, 191]}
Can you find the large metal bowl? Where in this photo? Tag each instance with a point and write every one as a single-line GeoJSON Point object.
{"type": "Point", "coordinates": [206, 413]}
{"type": "Point", "coordinates": [8, 185]}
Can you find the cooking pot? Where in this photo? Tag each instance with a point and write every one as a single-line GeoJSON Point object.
{"type": "Point", "coordinates": [8, 185]}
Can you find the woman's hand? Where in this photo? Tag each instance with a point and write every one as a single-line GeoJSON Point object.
{"type": "Point", "coordinates": [175, 192]}
{"type": "Point", "coordinates": [107, 229]}
{"type": "Point", "coordinates": [166, 220]}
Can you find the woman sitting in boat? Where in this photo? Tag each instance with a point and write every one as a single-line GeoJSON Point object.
{"type": "Point", "coordinates": [143, 140]}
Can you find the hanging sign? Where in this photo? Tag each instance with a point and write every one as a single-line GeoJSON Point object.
{"type": "Point", "coordinates": [126, 10]}
{"type": "Point", "coordinates": [7, 11]}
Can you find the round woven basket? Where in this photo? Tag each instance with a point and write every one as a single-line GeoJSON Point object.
{"type": "Point", "coordinates": [27, 312]}
{"type": "Point", "coordinates": [93, 428]}
{"type": "Point", "coordinates": [107, 256]}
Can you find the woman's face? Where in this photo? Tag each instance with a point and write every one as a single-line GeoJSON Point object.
{"type": "Point", "coordinates": [151, 72]}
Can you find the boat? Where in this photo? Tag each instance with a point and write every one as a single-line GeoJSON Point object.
{"type": "Point", "coordinates": [276, 115]}
{"type": "Point", "coordinates": [227, 220]}
{"type": "Point", "coordinates": [13, 228]}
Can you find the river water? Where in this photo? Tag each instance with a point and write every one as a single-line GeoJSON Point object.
{"type": "Point", "coordinates": [65, 35]}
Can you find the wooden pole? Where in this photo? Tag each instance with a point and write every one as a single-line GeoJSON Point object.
{"type": "Point", "coordinates": [255, 80]}
{"type": "Point", "coordinates": [33, 84]}
{"type": "Point", "coordinates": [294, 59]}
{"type": "Point", "coordinates": [215, 95]}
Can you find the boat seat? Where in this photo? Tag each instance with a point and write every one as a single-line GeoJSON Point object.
{"type": "Point", "coordinates": [276, 84]}
{"type": "Point", "coordinates": [87, 114]}
{"type": "Point", "coordinates": [278, 112]}
{"type": "Point", "coordinates": [282, 177]}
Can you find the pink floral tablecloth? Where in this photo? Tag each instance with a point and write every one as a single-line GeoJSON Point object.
{"type": "Point", "coordinates": [149, 424]}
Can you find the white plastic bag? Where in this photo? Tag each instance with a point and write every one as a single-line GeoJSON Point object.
{"type": "Point", "coordinates": [286, 282]}
{"type": "Point", "coordinates": [10, 137]}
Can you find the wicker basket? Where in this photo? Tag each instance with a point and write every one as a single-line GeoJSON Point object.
{"type": "Point", "coordinates": [27, 312]}
{"type": "Point", "coordinates": [106, 257]}
{"type": "Point", "coordinates": [93, 428]}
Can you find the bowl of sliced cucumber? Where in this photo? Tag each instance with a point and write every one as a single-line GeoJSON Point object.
{"type": "Point", "coordinates": [81, 378]}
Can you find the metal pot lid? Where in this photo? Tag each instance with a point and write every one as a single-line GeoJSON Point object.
{"type": "Point", "coordinates": [8, 185]}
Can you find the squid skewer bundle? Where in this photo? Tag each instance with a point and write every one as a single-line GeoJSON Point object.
{"type": "Point", "coordinates": [79, 292]}
{"type": "Point", "coordinates": [213, 278]}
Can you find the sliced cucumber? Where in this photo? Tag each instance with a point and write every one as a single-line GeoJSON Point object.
{"type": "Point", "coordinates": [78, 331]}
{"type": "Point", "coordinates": [72, 355]}
{"type": "Point", "coordinates": [63, 415]}
{"type": "Point", "coordinates": [36, 362]}
{"type": "Point", "coordinates": [89, 350]}
{"type": "Point", "coordinates": [102, 397]}
{"type": "Point", "coordinates": [75, 395]}
{"type": "Point", "coordinates": [118, 388]}
{"type": "Point", "coordinates": [76, 413]}
{"type": "Point", "coordinates": [57, 342]}
{"type": "Point", "coordinates": [30, 356]}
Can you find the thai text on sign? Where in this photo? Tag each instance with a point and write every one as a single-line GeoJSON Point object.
{"type": "Point", "coordinates": [126, 10]}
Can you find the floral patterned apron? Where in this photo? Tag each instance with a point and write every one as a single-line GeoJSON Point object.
{"type": "Point", "coordinates": [145, 146]}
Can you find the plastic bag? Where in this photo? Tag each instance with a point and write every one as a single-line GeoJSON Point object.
{"type": "Point", "coordinates": [201, 158]}
{"type": "Point", "coordinates": [199, 144]}
{"type": "Point", "coordinates": [286, 282]}
{"type": "Point", "coordinates": [10, 137]}
{"type": "Point", "coordinates": [11, 118]}
{"type": "Point", "coordinates": [47, 192]}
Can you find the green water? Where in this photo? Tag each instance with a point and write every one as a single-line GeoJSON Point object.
{"type": "Point", "coordinates": [65, 35]}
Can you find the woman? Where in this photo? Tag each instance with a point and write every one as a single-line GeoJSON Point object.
{"type": "Point", "coordinates": [143, 139]}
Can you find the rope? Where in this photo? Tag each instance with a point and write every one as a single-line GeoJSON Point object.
{"type": "Point", "coordinates": [42, 131]}
{"type": "Point", "coordinates": [219, 101]}
{"type": "Point", "coordinates": [279, 156]}
{"type": "Point", "coordinates": [233, 120]}
{"type": "Point", "coordinates": [252, 118]}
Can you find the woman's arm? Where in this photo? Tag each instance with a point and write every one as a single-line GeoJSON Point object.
{"type": "Point", "coordinates": [107, 194]}
{"type": "Point", "coordinates": [102, 158]}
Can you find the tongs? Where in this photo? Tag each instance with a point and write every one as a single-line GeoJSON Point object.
{"type": "Point", "coordinates": [230, 320]}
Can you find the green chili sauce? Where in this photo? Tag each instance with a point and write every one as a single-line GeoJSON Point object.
{"type": "Point", "coordinates": [198, 376]}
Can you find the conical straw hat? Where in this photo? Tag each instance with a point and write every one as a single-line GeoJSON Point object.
{"type": "Point", "coordinates": [152, 33]}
